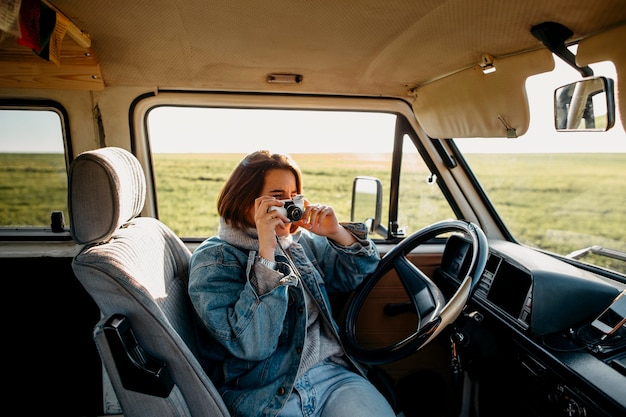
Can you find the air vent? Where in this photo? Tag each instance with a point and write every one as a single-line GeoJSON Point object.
{"type": "Point", "coordinates": [486, 280]}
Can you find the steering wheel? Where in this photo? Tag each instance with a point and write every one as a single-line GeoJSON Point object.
{"type": "Point", "coordinates": [433, 312]}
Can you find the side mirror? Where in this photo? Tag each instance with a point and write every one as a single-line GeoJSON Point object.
{"type": "Point", "coordinates": [586, 105]}
{"type": "Point", "coordinates": [367, 203]}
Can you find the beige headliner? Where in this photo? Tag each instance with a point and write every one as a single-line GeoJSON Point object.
{"type": "Point", "coordinates": [385, 48]}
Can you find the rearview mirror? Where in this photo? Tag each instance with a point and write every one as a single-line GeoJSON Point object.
{"type": "Point", "coordinates": [586, 105]}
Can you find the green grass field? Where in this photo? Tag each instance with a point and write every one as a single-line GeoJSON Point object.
{"type": "Point", "coordinates": [581, 191]}
{"type": "Point", "coordinates": [187, 192]}
{"type": "Point", "coordinates": [31, 187]}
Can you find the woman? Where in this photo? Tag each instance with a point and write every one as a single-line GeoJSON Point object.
{"type": "Point", "coordinates": [259, 289]}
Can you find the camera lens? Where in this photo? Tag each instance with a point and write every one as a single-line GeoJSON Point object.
{"type": "Point", "coordinates": [294, 213]}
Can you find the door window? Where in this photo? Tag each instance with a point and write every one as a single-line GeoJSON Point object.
{"type": "Point", "coordinates": [33, 173]}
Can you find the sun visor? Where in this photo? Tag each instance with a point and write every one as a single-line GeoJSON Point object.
{"type": "Point", "coordinates": [601, 47]}
{"type": "Point", "coordinates": [471, 103]}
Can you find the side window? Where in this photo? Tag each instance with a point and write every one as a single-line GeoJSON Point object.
{"type": "Point", "coordinates": [33, 175]}
{"type": "Point", "coordinates": [194, 150]}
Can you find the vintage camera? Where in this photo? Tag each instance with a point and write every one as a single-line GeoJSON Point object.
{"type": "Point", "coordinates": [292, 209]}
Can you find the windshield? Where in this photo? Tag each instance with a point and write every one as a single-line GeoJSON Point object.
{"type": "Point", "coordinates": [563, 192]}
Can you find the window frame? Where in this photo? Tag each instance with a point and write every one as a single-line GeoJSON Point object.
{"type": "Point", "coordinates": [405, 125]}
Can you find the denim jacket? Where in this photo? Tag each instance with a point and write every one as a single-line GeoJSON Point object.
{"type": "Point", "coordinates": [251, 342]}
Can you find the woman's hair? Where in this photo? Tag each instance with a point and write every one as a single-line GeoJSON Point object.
{"type": "Point", "coordinates": [246, 183]}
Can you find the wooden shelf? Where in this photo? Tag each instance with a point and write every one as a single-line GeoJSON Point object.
{"type": "Point", "coordinates": [20, 67]}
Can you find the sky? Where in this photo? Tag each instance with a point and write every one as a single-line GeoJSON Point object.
{"type": "Point", "coordinates": [183, 130]}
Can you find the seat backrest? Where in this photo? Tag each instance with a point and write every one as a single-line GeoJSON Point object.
{"type": "Point", "coordinates": [136, 270]}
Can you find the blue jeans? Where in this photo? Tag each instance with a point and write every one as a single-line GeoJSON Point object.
{"type": "Point", "coordinates": [330, 390]}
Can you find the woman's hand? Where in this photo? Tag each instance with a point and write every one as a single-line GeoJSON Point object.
{"type": "Point", "coordinates": [266, 221]}
{"type": "Point", "coordinates": [322, 220]}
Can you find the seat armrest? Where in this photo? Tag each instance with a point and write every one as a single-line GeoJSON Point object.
{"type": "Point", "coordinates": [138, 370]}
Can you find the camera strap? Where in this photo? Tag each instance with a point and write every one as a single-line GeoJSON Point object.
{"type": "Point", "coordinates": [289, 260]}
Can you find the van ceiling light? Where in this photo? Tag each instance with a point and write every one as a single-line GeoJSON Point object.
{"type": "Point", "coordinates": [487, 64]}
{"type": "Point", "coordinates": [284, 78]}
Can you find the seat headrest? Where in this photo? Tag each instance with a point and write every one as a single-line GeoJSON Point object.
{"type": "Point", "coordinates": [106, 189]}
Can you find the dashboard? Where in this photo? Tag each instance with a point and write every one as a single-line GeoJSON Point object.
{"type": "Point", "coordinates": [537, 293]}
{"type": "Point", "coordinates": [530, 314]}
